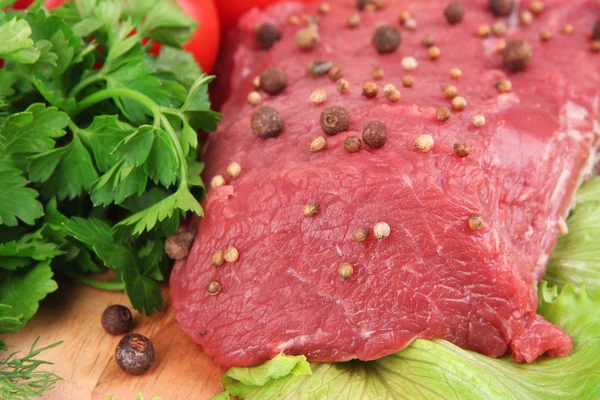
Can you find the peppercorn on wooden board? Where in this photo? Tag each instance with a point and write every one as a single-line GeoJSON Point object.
{"type": "Point", "coordinates": [86, 361]}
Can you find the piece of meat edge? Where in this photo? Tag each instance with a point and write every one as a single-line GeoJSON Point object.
{"type": "Point", "coordinates": [433, 277]}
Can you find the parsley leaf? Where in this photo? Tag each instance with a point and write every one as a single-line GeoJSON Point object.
{"type": "Point", "coordinates": [16, 43]}
{"type": "Point", "coordinates": [16, 200]}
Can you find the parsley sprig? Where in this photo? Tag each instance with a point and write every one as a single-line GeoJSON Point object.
{"type": "Point", "coordinates": [98, 147]}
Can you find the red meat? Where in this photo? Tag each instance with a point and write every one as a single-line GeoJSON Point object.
{"type": "Point", "coordinates": [433, 277]}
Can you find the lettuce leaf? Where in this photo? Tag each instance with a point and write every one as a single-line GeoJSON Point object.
{"type": "Point", "coordinates": [576, 258]}
{"type": "Point", "coordinates": [438, 369]}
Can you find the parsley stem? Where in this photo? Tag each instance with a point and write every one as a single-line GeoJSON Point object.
{"type": "Point", "coordinates": [106, 94]}
{"type": "Point", "coordinates": [112, 286]}
{"type": "Point", "coordinates": [180, 154]}
{"type": "Point", "coordinates": [85, 83]}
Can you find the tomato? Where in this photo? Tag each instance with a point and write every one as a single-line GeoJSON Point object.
{"type": "Point", "coordinates": [231, 10]}
{"type": "Point", "coordinates": [204, 45]}
{"type": "Point", "coordinates": [22, 4]}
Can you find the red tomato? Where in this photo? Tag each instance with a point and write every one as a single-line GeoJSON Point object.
{"type": "Point", "coordinates": [231, 10]}
{"type": "Point", "coordinates": [22, 4]}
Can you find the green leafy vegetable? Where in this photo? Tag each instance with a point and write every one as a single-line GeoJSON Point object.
{"type": "Point", "coordinates": [97, 147]}
{"type": "Point", "coordinates": [576, 257]}
{"type": "Point", "coordinates": [20, 378]}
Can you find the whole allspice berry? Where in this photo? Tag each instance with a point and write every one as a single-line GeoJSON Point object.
{"type": "Point", "coordinates": [386, 39]}
{"type": "Point", "coordinates": [135, 354]}
{"type": "Point", "coordinates": [178, 246]}
{"type": "Point", "coordinates": [266, 122]}
{"type": "Point", "coordinates": [517, 55]}
{"type": "Point", "coordinates": [117, 319]}
{"type": "Point", "coordinates": [334, 120]}
{"type": "Point", "coordinates": [454, 13]}
{"type": "Point", "coordinates": [352, 144]}
{"type": "Point", "coordinates": [273, 81]}
{"type": "Point", "coordinates": [267, 35]}
{"type": "Point", "coordinates": [501, 8]}
{"type": "Point", "coordinates": [375, 134]}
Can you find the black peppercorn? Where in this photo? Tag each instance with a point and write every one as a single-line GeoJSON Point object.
{"type": "Point", "coordinates": [273, 81]}
{"type": "Point", "coordinates": [375, 134]}
{"type": "Point", "coordinates": [135, 354]}
{"type": "Point", "coordinates": [454, 13]}
{"type": "Point", "coordinates": [334, 120]}
{"type": "Point", "coordinates": [117, 319]}
{"type": "Point", "coordinates": [386, 39]}
{"type": "Point", "coordinates": [501, 8]}
{"type": "Point", "coordinates": [517, 55]}
{"type": "Point", "coordinates": [267, 35]}
{"type": "Point", "coordinates": [266, 122]}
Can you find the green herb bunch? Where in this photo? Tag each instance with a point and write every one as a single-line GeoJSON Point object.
{"type": "Point", "coordinates": [98, 147]}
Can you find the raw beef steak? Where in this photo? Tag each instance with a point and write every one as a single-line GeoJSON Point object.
{"type": "Point", "coordinates": [434, 276]}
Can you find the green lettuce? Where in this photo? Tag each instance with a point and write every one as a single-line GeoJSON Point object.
{"type": "Point", "coordinates": [437, 369]}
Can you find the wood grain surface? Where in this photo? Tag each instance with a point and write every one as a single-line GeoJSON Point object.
{"type": "Point", "coordinates": [86, 361]}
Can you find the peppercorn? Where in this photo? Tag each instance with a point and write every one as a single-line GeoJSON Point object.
{"type": "Point", "coordinates": [434, 52]}
{"type": "Point", "coordinates": [319, 68]}
{"type": "Point", "coordinates": [545, 35]}
{"type": "Point", "coordinates": [443, 114]}
{"type": "Point", "coordinates": [503, 86]}
{"type": "Point", "coordinates": [378, 73]}
{"type": "Point", "coordinates": [595, 46]}
{"type": "Point", "coordinates": [213, 287]}
{"type": "Point", "coordinates": [360, 235]}
{"type": "Point", "coordinates": [403, 17]}
{"type": "Point", "coordinates": [254, 98]}
{"type": "Point", "coordinates": [409, 63]}
{"type": "Point", "coordinates": [342, 85]}
{"type": "Point", "coordinates": [517, 55]}
{"type": "Point", "coordinates": [217, 258]}
{"type": "Point", "coordinates": [234, 169]}
{"type": "Point", "coordinates": [499, 29]}
{"type": "Point", "coordinates": [266, 122]}
{"type": "Point", "coordinates": [178, 246]}
{"type": "Point", "coordinates": [475, 222]}
{"type": "Point", "coordinates": [391, 93]}
{"type": "Point", "coordinates": [484, 30]}
{"type": "Point", "coordinates": [217, 181]}
{"type": "Point", "coordinates": [370, 90]}
{"type": "Point", "coordinates": [135, 354]}
{"type": "Point", "coordinates": [345, 270]}
{"type": "Point", "coordinates": [335, 73]}
{"type": "Point", "coordinates": [273, 81]}
{"type": "Point", "coordinates": [501, 8]}
{"type": "Point", "coordinates": [386, 39]}
{"type": "Point", "coordinates": [317, 144]}
{"type": "Point", "coordinates": [324, 8]}
{"type": "Point", "coordinates": [478, 121]}
{"type": "Point", "coordinates": [427, 41]}
{"type": "Point", "coordinates": [596, 31]}
{"type": "Point", "coordinates": [526, 18]}
{"type": "Point", "coordinates": [353, 20]}
{"type": "Point", "coordinates": [267, 35]}
{"type": "Point", "coordinates": [410, 24]}
{"type": "Point", "coordinates": [256, 82]}
{"type": "Point", "coordinates": [424, 143]}
{"type": "Point", "coordinates": [536, 7]}
{"type": "Point", "coordinates": [408, 81]}
{"type": "Point", "coordinates": [231, 254]}
{"type": "Point", "coordinates": [375, 134]}
{"type": "Point", "coordinates": [454, 13]}
{"type": "Point", "coordinates": [362, 4]}
{"type": "Point", "coordinates": [334, 120]}
{"type": "Point", "coordinates": [381, 230]}
{"type": "Point", "coordinates": [458, 103]}
{"type": "Point", "coordinates": [462, 149]}
{"type": "Point", "coordinates": [318, 97]}
{"type": "Point", "coordinates": [449, 91]}
{"type": "Point", "coordinates": [308, 38]}
{"type": "Point", "coordinates": [567, 29]}
{"type": "Point", "coordinates": [117, 319]}
{"type": "Point", "coordinates": [455, 73]}
{"type": "Point", "coordinates": [311, 209]}
{"type": "Point", "coordinates": [352, 144]}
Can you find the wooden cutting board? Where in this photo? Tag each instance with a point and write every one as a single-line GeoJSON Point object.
{"type": "Point", "coordinates": [86, 361]}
